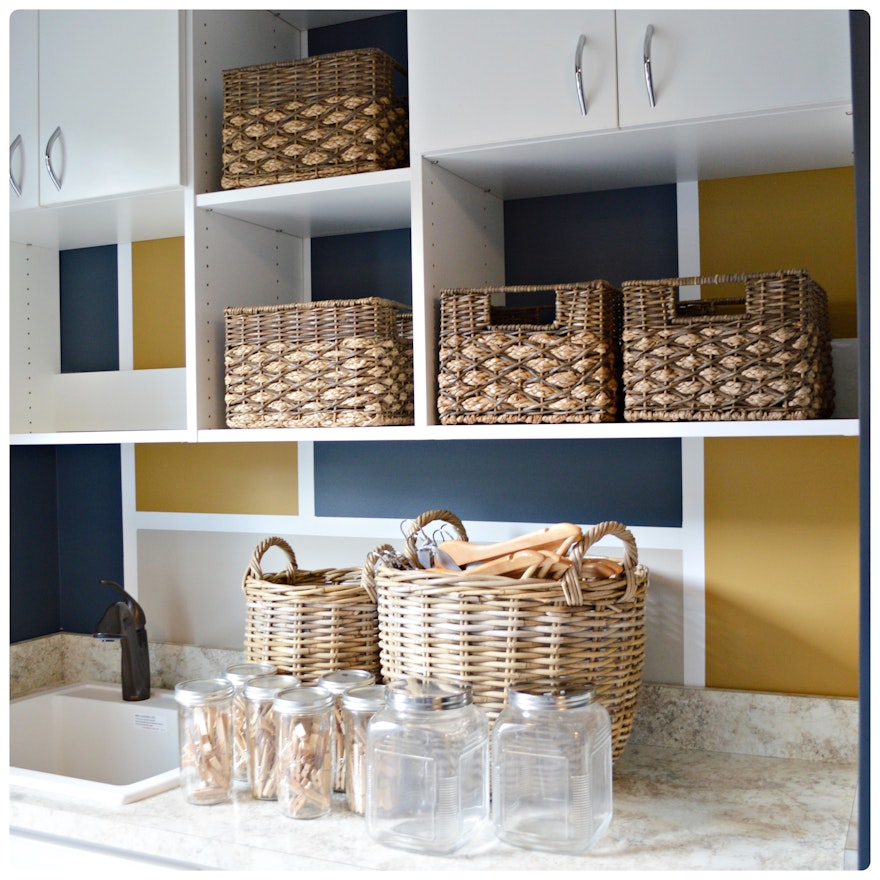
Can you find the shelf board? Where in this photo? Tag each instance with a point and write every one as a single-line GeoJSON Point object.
{"type": "Point", "coordinates": [607, 431]}
{"type": "Point", "coordinates": [85, 438]}
{"type": "Point", "coordinates": [367, 202]}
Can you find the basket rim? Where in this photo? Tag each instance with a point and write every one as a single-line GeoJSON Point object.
{"type": "Point", "coordinates": [316, 304]}
{"type": "Point", "coordinates": [326, 56]}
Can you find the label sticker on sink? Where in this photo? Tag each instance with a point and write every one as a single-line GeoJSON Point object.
{"type": "Point", "coordinates": [147, 721]}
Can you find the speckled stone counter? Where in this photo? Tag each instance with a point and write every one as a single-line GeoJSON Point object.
{"type": "Point", "coordinates": [709, 780]}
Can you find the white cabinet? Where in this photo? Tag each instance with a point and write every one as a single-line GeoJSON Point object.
{"type": "Point", "coordinates": [494, 76]}
{"type": "Point", "coordinates": [706, 64]}
{"type": "Point", "coordinates": [23, 124]}
{"type": "Point", "coordinates": [110, 103]}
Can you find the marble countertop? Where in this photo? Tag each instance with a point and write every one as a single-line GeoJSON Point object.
{"type": "Point", "coordinates": [673, 809]}
{"type": "Point", "coordinates": [710, 779]}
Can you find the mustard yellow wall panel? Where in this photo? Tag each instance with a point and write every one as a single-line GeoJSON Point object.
{"type": "Point", "coordinates": [781, 515]}
{"type": "Point", "coordinates": [158, 304]}
{"type": "Point", "coordinates": [238, 478]}
{"type": "Point", "coordinates": [799, 220]}
{"type": "Point", "coordinates": [782, 556]}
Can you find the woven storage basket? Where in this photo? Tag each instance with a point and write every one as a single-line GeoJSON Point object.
{"type": "Point", "coordinates": [766, 355]}
{"type": "Point", "coordinates": [308, 623]}
{"type": "Point", "coordinates": [316, 117]}
{"type": "Point", "coordinates": [492, 632]}
{"type": "Point", "coordinates": [319, 364]}
{"type": "Point", "coordinates": [493, 370]}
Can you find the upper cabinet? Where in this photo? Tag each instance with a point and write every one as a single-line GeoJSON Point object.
{"type": "Point", "coordinates": [681, 65]}
{"type": "Point", "coordinates": [110, 103]}
{"type": "Point", "coordinates": [97, 126]}
{"type": "Point", "coordinates": [495, 76]}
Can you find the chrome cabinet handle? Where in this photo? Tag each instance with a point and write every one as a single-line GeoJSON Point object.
{"type": "Point", "coordinates": [646, 60]}
{"type": "Point", "coordinates": [16, 185]}
{"type": "Point", "coordinates": [48, 157]}
{"type": "Point", "coordinates": [579, 73]}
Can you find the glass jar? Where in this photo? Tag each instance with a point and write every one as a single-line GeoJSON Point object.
{"type": "Point", "coordinates": [204, 712]}
{"type": "Point", "coordinates": [427, 767]}
{"type": "Point", "coordinates": [338, 683]}
{"type": "Point", "coordinates": [551, 769]}
{"type": "Point", "coordinates": [237, 675]}
{"type": "Point", "coordinates": [262, 737]}
{"type": "Point", "coordinates": [304, 718]}
{"type": "Point", "coordinates": [359, 705]}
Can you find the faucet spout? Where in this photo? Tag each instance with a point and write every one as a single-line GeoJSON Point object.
{"type": "Point", "coordinates": [125, 621]}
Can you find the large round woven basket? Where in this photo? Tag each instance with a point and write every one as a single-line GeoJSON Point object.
{"type": "Point", "coordinates": [493, 632]}
{"type": "Point", "coordinates": [308, 623]}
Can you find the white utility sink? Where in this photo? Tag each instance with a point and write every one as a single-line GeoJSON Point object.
{"type": "Point", "coordinates": [83, 740]}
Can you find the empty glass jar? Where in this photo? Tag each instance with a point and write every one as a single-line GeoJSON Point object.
{"type": "Point", "coordinates": [551, 769]}
{"type": "Point", "coordinates": [427, 767]}
{"type": "Point", "coordinates": [204, 711]}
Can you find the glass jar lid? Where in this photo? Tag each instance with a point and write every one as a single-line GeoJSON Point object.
{"type": "Point", "coordinates": [428, 695]}
{"type": "Point", "coordinates": [557, 695]}
{"type": "Point", "coordinates": [302, 699]}
{"type": "Point", "coordinates": [264, 687]}
{"type": "Point", "coordinates": [196, 692]}
{"type": "Point", "coordinates": [239, 673]}
{"type": "Point", "coordinates": [342, 679]}
{"type": "Point", "coordinates": [364, 698]}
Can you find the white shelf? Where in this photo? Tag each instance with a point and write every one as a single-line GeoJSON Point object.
{"type": "Point", "coordinates": [366, 202]}
{"type": "Point", "coordinates": [605, 431]}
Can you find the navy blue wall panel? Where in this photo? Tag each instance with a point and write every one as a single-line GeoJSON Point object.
{"type": "Point", "coordinates": [34, 592]}
{"type": "Point", "coordinates": [614, 235]}
{"type": "Point", "coordinates": [89, 310]}
{"type": "Point", "coordinates": [89, 531]}
{"type": "Point", "coordinates": [366, 264]}
{"type": "Point", "coordinates": [585, 482]}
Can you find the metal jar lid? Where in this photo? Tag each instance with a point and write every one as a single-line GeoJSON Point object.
{"type": "Point", "coordinates": [303, 699]}
{"type": "Point", "coordinates": [537, 695]}
{"type": "Point", "coordinates": [197, 692]}
{"type": "Point", "coordinates": [364, 698]}
{"type": "Point", "coordinates": [239, 673]}
{"type": "Point", "coordinates": [428, 695]}
{"type": "Point", "coordinates": [264, 687]}
{"type": "Point", "coordinates": [342, 679]}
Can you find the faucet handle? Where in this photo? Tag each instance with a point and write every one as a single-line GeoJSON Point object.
{"type": "Point", "coordinates": [137, 613]}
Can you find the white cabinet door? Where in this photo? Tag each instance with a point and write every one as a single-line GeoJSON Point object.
{"type": "Point", "coordinates": [110, 104]}
{"type": "Point", "coordinates": [23, 134]}
{"type": "Point", "coordinates": [486, 77]}
{"type": "Point", "coordinates": [708, 64]}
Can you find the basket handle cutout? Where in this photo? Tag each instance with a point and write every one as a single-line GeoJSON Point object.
{"type": "Point", "coordinates": [571, 580]}
{"type": "Point", "coordinates": [255, 571]}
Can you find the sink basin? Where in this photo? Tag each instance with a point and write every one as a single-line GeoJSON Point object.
{"type": "Point", "coordinates": [83, 740]}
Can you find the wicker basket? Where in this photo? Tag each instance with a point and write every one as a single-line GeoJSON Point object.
{"type": "Point", "coordinates": [316, 117]}
{"type": "Point", "coordinates": [492, 632]}
{"type": "Point", "coordinates": [494, 371]}
{"type": "Point", "coordinates": [308, 623]}
{"type": "Point", "coordinates": [766, 355]}
{"type": "Point", "coordinates": [319, 364]}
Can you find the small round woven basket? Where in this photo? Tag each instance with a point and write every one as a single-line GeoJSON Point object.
{"type": "Point", "coordinates": [493, 632]}
{"type": "Point", "coordinates": [308, 623]}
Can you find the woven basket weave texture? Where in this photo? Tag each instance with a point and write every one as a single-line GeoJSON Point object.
{"type": "Point", "coordinates": [763, 356]}
{"type": "Point", "coordinates": [493, 632]}
{"type": "Point", "coordinates": [316, 117]}
{"type": "Point", "coordinates": [494, 370]}
{"type": "Point", "coordinates": [308, 623]}
{"type": "Point", "coordinates": [330, 363]}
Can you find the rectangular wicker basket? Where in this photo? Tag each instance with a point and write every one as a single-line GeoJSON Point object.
{"type": "Point", "coordinates": [494, 370]}
{"type": "Point", "coordinates": [328, 363]}
{"type": "Point", "coordinates": [308, 623]}
{"type": "Point", "coordinates": [763, 356]}
{"type": "Point", "coordinates": [491, 632]}
{"type": "Point", "coordinates": [322, 116]}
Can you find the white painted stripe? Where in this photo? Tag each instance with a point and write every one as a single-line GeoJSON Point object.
{"type": "Point", "coordinates": [125, 308]}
